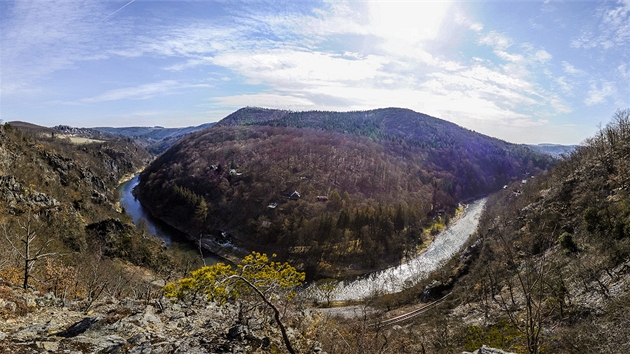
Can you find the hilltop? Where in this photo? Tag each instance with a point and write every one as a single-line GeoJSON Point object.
{"type": "Point", "coordinates": [554, 150]}
{"type": "Point", "coordinates": [337, 193]}
{"type": "Point", "coordinates": [154, 139]}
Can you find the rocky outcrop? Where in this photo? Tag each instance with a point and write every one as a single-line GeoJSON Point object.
{"type": "Point", "coordinates": [134, 326]}
{"type": "Point", "coordinates": [16, 196]}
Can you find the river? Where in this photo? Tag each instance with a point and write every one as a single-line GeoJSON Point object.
{"type": "Point", "coordinates": [171, 236]}
{"type": "Point", "coordinates": [387, 281]}
{"type": "Point", "coordinates": [396, 279]}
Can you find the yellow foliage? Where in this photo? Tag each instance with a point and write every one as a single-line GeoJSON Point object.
{"type": "Point", "coordinates": [59, 277]}
{"type": "Point", "coordinates": [12, 275]}
{"type": "Point", "coordinates": [221, 281]}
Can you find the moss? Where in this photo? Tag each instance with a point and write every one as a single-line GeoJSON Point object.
{"type": "Point", "coordinates": [500, 335]}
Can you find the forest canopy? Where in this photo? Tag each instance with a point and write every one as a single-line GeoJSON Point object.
{"type": "Point", "coordinates": [328, 190]}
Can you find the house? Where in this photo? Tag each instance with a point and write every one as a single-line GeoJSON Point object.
{"type": "Point", "coordinates": [272, 205]}
{"type": "Point", "coordinates": [524, 181]}
{"type": "Point", "coordinates": [322, 198]}
{"type": "Point", "coordinates": [295, 195]}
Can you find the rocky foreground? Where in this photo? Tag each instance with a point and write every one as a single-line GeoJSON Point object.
{"type": "Point", "coordinates": [31, 322]}
{"type": "Point", "coordinates": [35, 323]}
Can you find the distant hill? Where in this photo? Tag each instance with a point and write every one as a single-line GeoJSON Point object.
{"type": "Point", "coordinates": [155, 139]}
{"type": "Point", "coordinates": [62, 131]}
{"type": "Point", "coordinates": [554, 150]}
{"type": "Point", "coordinates": [328, 190]}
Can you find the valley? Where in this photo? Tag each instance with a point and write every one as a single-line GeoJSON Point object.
{"type": "Point", "coordinates": [537, 266]}
{"type": "Point", "coordinates": [368, 188]}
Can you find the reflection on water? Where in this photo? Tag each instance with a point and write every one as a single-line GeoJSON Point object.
{"type": "Point", "coordinates": [139, 214]}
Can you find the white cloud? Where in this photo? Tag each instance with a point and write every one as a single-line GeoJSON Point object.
{"type": "Point", "coordinates": [267, 100]}
{"type": "Point", "coordinates": [500, 43]}
{"type": "Point", "coordinates": [41, 37]}
{"type": "Point", "coordinates": [461, 19]}
{"type": "Point", "coordinates": [623, 69]}
{"type": "Point", "coordinates": [286, 68]}
{"type": "Point", "coordinates": [496, 40]}
{"type": "Point", "coordinates": [598, 95]}
{"type": "Point", "coordinates": [406, 21]}
{"type": "Point", "coordinates": [302, 76]}
{"type": "Point", "coordinates": [558, 105]}
{"type": "Point", "coordinates": [509, 57]}
{"type": "Point", "coordinates": [542, 56]}
{"type": "Point", "coordinates": [564, 85]}
{"type": "Point", "coordinates": [491, 85]}
{"type": "Point", "coordinates": [611, 28]}
{"type": "Point", "coordinates": [570, 69]}
{"type": "Point", "coordinates": [143, 92]}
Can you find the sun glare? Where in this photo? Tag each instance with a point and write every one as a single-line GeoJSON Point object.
{"type": "Point", "coordinates": [407, 21]}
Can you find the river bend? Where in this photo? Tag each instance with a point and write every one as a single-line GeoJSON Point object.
{"type": "Point", "coordinates": [396, 279]}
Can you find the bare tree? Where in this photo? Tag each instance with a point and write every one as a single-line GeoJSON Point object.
{"type": "Point", "coordinates": [29, 230]}
{"type": "Point", "coordinates": [529, 291]}
{"type": "Point", "coordinates": [95, 279]}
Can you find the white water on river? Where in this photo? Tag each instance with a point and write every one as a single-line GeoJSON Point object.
{"type": "Point", "coordinates": [396, 279]}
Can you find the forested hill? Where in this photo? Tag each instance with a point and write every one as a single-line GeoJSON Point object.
{"type": "Point", "coordinates": [446, 146]}
{"type": "Point", "coordinates": [385, 178]}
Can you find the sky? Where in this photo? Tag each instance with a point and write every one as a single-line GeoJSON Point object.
{"type": "Point", "coordinates": [525, 72]}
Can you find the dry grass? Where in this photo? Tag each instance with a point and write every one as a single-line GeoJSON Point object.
{"type": "Point", "coordinates": [80, 141]}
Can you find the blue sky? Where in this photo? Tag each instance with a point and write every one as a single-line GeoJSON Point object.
{"type": "Point", "coordinates": [526, 72]}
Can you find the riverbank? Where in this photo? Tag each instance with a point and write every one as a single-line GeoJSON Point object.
{"type": "Point", "coordinates": [396, 279]}
{"type": "Point", "coordinates": [141, 216]}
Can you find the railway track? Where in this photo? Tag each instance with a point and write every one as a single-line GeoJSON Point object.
{"type": "Point", "coordinates": [409, 315]}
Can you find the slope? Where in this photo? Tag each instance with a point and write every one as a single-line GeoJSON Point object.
{"type": "Point", "coordinates": [553, 257]}
{"type": "Point", "coordinates": [336, 193]}
{"type": "Point", "coordinates": [59, 199]}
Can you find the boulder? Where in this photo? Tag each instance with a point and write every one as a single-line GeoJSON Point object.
{"type": "Point", "coordinates": [111, 344]}
{"type": "Point", "coordinates": [238, 332]}
{"type": "Point", "coordinates": [46, 300]}
{"type": "Point", "coordinates": [31, 332]}
{"type": "Point", "coordinates": [487, 350]}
